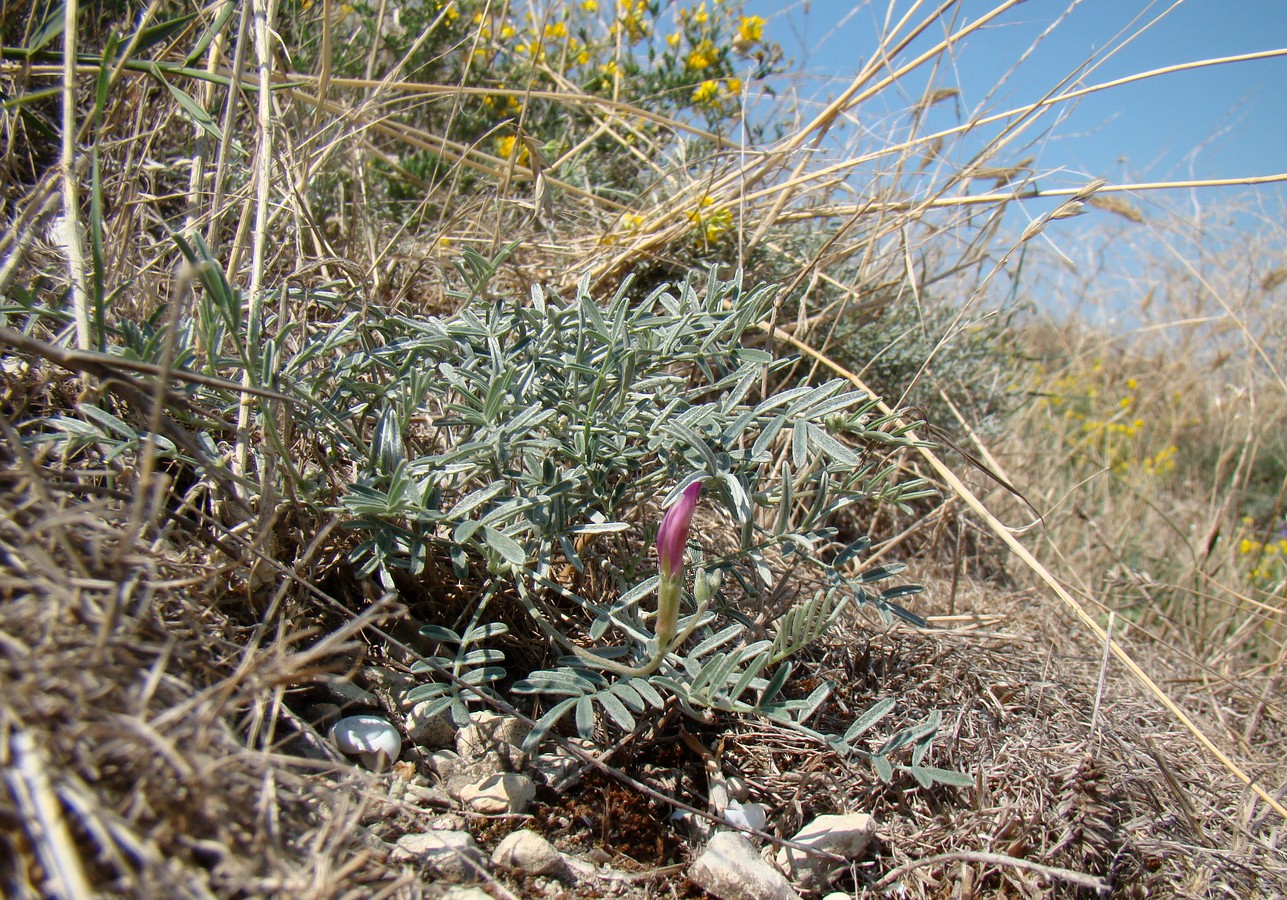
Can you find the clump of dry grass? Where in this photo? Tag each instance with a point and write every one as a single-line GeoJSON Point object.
{"type": "Point", "coordinates": [142, 731]}
{"type": "Point", "coordinates": [156, 616]}
{"type": "Point", "coordinates": [1157, 445]}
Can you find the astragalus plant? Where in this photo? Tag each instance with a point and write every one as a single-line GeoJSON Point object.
{"type": "Point", "coordinates": [529, 439]}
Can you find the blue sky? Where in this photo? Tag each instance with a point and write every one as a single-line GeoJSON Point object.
{"type": "Point", "coordinates": [1226, 121]}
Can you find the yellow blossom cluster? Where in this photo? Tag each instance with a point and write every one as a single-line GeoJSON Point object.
{"type": "Point", "coordinates": [697, 15]}
{"type": "Point", "coordinates": [487, 31]}
{"type": "Point", "coordinates": [1162, 462]}
{"type": "Point", "coordinates": [623, 48]}
{"type": "Point", "coordinates": [710, 222]}
{"type": "Point", "coordinates": [505, 105]}
{"type": "Point", "coordinates": [506, 145]}
{"type": "Point", "coordinates": [448, 11]}
{"type": "Point", "coordinates": [1114, 432]}
{"type": "Point", "coordinates": [632, 20]}
{"type": "Point", "coordinates": [707, 93]}
{"type": "Point", "coordinates": [714, 91]}
{"type": "Point", "coordinates": [1267, 560]}
{"type": "Point", "coordinates": [627, 224]}
{"type": "Point", "coordinates": [702, 56]}
{"type": "Point", "coordinates": [750, 31]}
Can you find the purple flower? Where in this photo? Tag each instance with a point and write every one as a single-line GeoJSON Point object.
{"type": "Point", "coordinates": [672, 536]}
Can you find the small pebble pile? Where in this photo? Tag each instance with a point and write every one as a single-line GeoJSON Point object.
{"type": "Point", "coordinates": [482, 769]}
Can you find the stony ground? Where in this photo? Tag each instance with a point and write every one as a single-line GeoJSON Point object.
{"type": "Point", "coordinates": [161, 740]}
{"type": "Point", "coordinates": [1080, 782]}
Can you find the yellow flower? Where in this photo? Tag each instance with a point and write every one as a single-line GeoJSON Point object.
{"type": "Point", "coordinates": [505, 146]}
{"type": "Point", "coordinates": [695, 16]}
{"type": "Point", "coordinates": [733, 87]}
{"type": "Point", "coordinates": [706, 93]}
{"type": "Point", "coordinates": [555, 30]}
{"type": "Point", "coordinates": [673, 40]}
{"type": "Point", "coordinates": [449, 12]}
{"type": "Point", "coordinates": [710, 226]}
{"type": "Point", "coordinates": [1163, 462]}
{"type": "Point", "coordinates": [631, 19]}
{"type": "Point", "coordinates": [505, 105]}
{"type": "Point", "coordinates": [749, 33]}
{"type": "Point", "coordinates": [590, 6]}
{"type": "Point", "coordinates": [702, 56]}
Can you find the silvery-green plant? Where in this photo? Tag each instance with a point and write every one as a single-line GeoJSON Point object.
{"type": "Point", "coordinates": [726, 670]}
{"type": "Point", "coordinates": [506, 436]}
{"type": "Point", "coordinates": [519, 438]}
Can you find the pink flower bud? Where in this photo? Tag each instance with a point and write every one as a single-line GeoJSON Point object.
{"type": "Point", "coordinates": [672, 536]}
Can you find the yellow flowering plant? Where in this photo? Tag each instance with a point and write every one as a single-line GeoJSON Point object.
{"type": "Point", "coordinates": [693, 61]}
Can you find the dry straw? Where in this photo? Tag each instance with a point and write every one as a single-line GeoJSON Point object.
{"type": "Point", "coordinates": [158, 629]}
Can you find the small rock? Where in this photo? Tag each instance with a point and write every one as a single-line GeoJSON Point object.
{"type": "Point", "coordinates": [465, 773]}
{"type": "Point", "coordinates": [443, 763]}
{"type": "Point", "coordinates": [746, 815]}
{"type": "Point", "coordinates": [490, 733]}
{"type": "Point", "coordinates": [466, 893]}
{"type": "Point", "coordinates": [838, 895]}
{"type": "Point", "coordinates": [581, 869]}
{"type": "Point", "coordinates": [730, 869]}
{"type": "Point", "coordinates": [846, 836]}
{"type": "Point", "coordinates": [447, 822]}
{"type": "Point", "coordinates": [433, 731]}
{"type": "Point", "coordinates": [503, 793]}
{"type": "Point", "coordinates": [453, 854]}
{"type": "Point", "coordinates": [738, 789]}
{"type": "Point", "coordinates": [554, 767]}
{"type": "Point", "coordinates": [529, 852]}
{"type": "Point", "coordinates": [421, 795]}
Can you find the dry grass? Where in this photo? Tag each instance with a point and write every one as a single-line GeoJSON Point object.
{"type": "Point", "coordinates": [158, 623]}
{"type": "Point", "coordinates": [1077, 768]}
{"type": "Point", "coordinates": [142, 724]}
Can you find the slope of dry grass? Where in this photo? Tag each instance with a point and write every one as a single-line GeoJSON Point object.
{"type": "Point", "coordinates": [176, 574]}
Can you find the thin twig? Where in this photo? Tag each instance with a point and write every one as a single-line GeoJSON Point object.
{"type": "Point", "coordinates": [1103, 679]}
{"type": "Point", "coordinates": [71, 227]}
{"type": "Point", "coordinates": [1081, 879]}
{"type": "Point", "coordinates": [105, 365]}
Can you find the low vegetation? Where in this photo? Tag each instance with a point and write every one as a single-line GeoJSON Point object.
{"type": "Point", "coordinates": [351, 334]}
